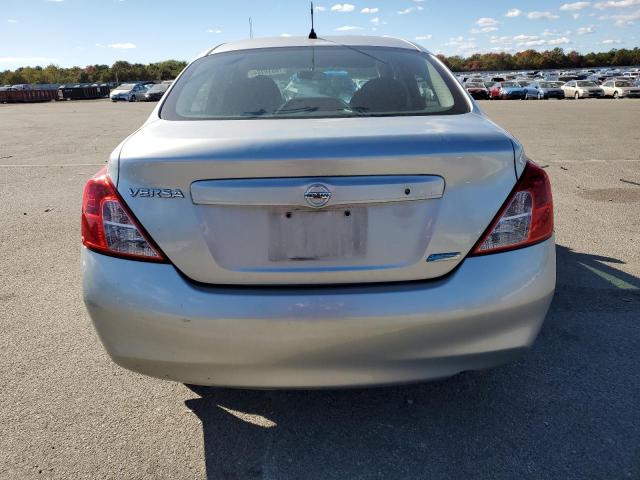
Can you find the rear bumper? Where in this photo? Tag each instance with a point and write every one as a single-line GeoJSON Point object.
{"type": "Point", "coordinates": [153, 321]}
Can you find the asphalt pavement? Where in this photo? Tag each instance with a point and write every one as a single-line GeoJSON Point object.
{"type": "Point", "coordinates": [570, 409]}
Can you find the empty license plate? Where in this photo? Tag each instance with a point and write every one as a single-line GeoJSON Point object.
{"type": "Point", "coordinates": [299, 235]}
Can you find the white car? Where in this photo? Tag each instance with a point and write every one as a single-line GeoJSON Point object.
{"type": "Point", "coordinates": [128, 92]}
{"type": "Point", "coordinates": [582, 89]}
{"type": "Point", "coordinates": [620, 89]}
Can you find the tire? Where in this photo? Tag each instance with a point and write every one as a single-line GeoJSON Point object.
{"type": "Point", "coordinates": [616, 95]}
{"type": "Point", "coordinates": [133, 99]}
{"type": "Point", "coordinates": [540, 96]}
{"type": "Point", "coordinates": [576, 96]}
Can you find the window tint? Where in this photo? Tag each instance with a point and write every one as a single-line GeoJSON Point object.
{"type": "Point", "coordinates": [306, 82]}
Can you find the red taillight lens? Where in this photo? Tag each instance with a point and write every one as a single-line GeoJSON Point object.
{"type": "Point", "coordinates": [526, 217]}
{"type": "Point", "coordinates": [108, 226]}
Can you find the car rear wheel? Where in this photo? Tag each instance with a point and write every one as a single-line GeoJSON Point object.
{"type": "Point", "coordinates": [616, 95]}
{"type": "Point", "coordinates": [133, 99]}
{"type": "Point", "coordinates": [577, 96]}
{"type": "Point", "coordinates": [540, 96]}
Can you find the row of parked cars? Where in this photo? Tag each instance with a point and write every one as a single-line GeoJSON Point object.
{"type": "Point", "coordinates": [139, 91]}
{"type": "Point", "coordinates": [544, 89]}
{"type": "Point", "coordinates": [129, 92]}
{"type": "Point", "coordinates": [542, 86]}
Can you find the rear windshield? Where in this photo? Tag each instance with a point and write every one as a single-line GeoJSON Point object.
{"type": "Point", "coordinates": [313, 82]}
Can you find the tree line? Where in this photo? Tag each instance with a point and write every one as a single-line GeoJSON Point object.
{"type": "Point", "coordinates": [122, 71]}
{"type": "Point", "coordinates": [535, 60]}
{"type": "Point", "coordinates": [118, 72]}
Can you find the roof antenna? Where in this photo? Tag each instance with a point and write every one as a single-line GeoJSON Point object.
{"type": "Point", "coordinates": [250, 27]}
{"type": "Point", "coordinates": [312, 34]}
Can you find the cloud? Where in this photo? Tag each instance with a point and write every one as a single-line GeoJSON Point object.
{"type": "Point", "coordinates": [487, 22]}
{"type": "Point", "coordinates": [212, 30]}
{"type": "Point", "coordinates": [461, 44]}
{"type": "Point", "coordinates": [285, 35]}
{"type": "Point", "coordinates": [542, 16]}
{"type": "Point", "coordinates": [616, 4]}
{"type": "Point", "coordinates": [559, 41]}
{"type": "Point", "coordinates": [572, 7]}
{"type": "Point", "coordinates": [12, 20]}
{"type": "Point", "coordinates": [348, 28]}
{"type": "Point", "coordinates": [611, 42]}
{"type": "Point", "coordinates": [375, 20]}
{"type": "Point", "coordinates": [513, 12]}
{"type": "Point", "coordinates": [343, 7]}
{"type": "Point", "coordinates": [424, 37]}
{"type": "Point", "coordinates": [484, 30]}
{"type": "Point", "coordinates": [586, 30]}
{"type": "Point", "coordinates": [122, 45]}
{"type": "Point", "coordinates": [369, 10]}
{"type": "Point", "coordinates": [319, 8]}
{"type": "Point", "coordinates": [406, 10]}
{"type": "Point", "coordinates": [55, 1]}
{"type": "Point", "coordinates": [530, 40]}
{"type": "Point", "coordinates": [622, 19]}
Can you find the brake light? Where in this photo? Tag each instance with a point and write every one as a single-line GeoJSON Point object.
{"type": "Point", "coordinates": [108, 226]}
{"type": "Point", "coordinates": [526, 217]}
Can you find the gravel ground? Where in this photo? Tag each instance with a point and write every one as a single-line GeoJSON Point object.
{"type": "Point", "coordinates": [570, 409]}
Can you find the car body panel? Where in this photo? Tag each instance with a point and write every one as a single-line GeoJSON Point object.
{"type": "Point", "coordinates": [473, 156]}
{"type": "Point", "coordinates": [155, 322]}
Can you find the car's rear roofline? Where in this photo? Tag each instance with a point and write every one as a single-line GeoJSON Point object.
{"type": "Point", "coordinates": [348, 40]}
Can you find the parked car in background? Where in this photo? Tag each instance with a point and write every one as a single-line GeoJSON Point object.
{"type": "Point", "coordinates": [620, 89]}
{"type": "Point", "coordinates": [155, 92]}
{"type": "Point", "coordinates": [582, 89]}
{"type": "Point", "coordinates": [543, 90]}
{"type": "Point", "coordinates": [244, 237]}
{"type": "Point", "coordinates": [477, 90]}
{"type": "Point", "coordinates": [508, 90]}
{"type": "Point", "coordinates": [129, 92]}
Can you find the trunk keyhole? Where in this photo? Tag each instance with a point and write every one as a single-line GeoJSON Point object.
{"type": "Point", "coordinates": [407, 191]}
{"type": "Point", "coordinates": [347, 213]}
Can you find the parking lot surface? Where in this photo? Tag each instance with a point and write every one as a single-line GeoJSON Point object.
{"type": "Point", "coordinates": [569, 409]}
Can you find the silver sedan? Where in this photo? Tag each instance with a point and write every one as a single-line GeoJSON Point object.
{"type": "Point", "coordinates": [333, 237]}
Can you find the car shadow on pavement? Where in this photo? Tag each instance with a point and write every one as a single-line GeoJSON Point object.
{"type": "Point", "coordinates": [567, 409]}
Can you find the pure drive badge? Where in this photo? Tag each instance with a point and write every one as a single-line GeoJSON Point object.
{"type": "Point", "coordinates": [156, 192]}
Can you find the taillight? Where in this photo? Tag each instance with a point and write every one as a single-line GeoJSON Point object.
{"type": "Point", "coordinates": [526, 217]}
{"type": "Point", "coordinates": [108, 226]}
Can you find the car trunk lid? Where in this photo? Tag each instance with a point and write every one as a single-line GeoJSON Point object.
{"type": "Point", "coordinates": [317, 201]}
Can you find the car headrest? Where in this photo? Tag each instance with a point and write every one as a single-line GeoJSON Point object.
{"type": "Point", "coordinates": [380, 95]}
{"type": "Point", "coordinates": [251, 96]}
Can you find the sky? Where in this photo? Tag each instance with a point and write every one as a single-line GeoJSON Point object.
{"type": "Point", "coordinates": [84, 32]}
